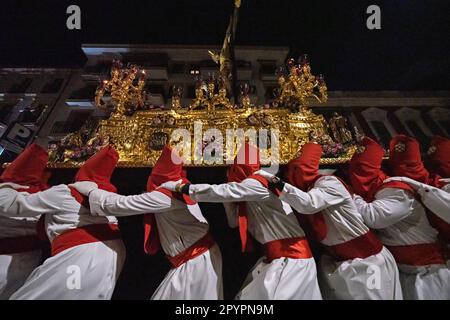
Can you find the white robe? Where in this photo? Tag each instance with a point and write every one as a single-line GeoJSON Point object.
{"type": "Point", "coordinates": [87, 271]}
{"type": "Point", "coordinates": [436, 200]}
{"type": "Point", "coordinates": [446, 187]}
{"type": "Point", "coordinates": [401, 220]}
{"type": "Point", "coordinates": [353, 278]}
{"type": "Point", "coordinates": [269, 219]}
{"type": "Point", "coordinates": [15, 268]}
{"type": "Point", "coordinates": [179, 228]}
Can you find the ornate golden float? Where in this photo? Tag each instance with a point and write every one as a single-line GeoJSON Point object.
{"type": "Point", "coordinates": [138, 133]}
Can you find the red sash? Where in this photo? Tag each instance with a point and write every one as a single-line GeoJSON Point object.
{"type": "Point", "coordinates": [19, 244]}
{"type": "Point", "coordinates": [418, 254]}
{"type": "Point", "coordinates": [294, 248]}
{"type": "Point", "coordinates": [151, 237]}
{"type": "Point", "coordinates": [361, 247]}
{"type": "Point", "coordinates": [86, 234]}
{"type": "Point", "coordinates": [197, 249]}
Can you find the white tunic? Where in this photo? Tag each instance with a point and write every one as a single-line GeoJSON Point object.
{"type": "Point", "coordinates": [436, 200]}
{"type": "Point", "coordinates": [179, 228]}
{"type": "Point", "coordinates": [269, 219]}
{"type": "Point", "coordinates": [446, 187]}
{"type": "Point", "coordinates": [15, 268]}
{"type": "Point", "coordinates": [401, 220]}
{"type": "Point", "coordinates": [348, 279]}
{"type": "Point", "coordinates": [87, 271]}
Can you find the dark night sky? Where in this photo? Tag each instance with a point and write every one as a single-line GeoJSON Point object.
{"type": "Point", "coordinates": [411, 52]}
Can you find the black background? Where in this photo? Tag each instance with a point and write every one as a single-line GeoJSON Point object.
{"type": "Point", "coordinates": [410, 52]}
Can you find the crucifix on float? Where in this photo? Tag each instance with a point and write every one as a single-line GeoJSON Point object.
{"type": "Point", "coordinates": [226, 57]}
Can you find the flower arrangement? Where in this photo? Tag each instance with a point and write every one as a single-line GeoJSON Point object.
{"type": "Point", "coordinates": [334, 150]}
{"type": "Point", "coordinates": [76, 147]}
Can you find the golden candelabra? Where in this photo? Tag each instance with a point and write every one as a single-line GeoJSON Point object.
{"type": "Point", "coordinates": [298, 85]}
{"type": "Point", "coordinates": [126, 87]}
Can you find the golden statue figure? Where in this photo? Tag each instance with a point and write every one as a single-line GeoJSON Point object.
{"type": "Point", "coordinates": [338, 126]}
{"type": "Point", "coordinates": [224, 57]}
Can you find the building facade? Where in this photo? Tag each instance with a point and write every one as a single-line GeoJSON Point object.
{"type": "Point", "coordinates": [50, 103]}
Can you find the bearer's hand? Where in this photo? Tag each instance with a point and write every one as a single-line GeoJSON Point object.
{"type": "Point", "coordinates": [264, 174]}
{"type": "Point", "coordinates": [413, 183]}
{"type": "Point", "coordinates": [84, 187]}
{"type": "Point", "coordinates": [172, 185]}
{"type": "Point", "coordinates": [446, 180]}
{"type": "Point", "coordinates": [13, 185]}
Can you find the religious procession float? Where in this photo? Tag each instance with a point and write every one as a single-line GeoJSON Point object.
{"type": "Point", "coordinates": [215, 120]}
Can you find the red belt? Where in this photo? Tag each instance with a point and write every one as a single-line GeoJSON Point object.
{"type": "Point", "coordinates": [19, 244]}
{"type": "Point", "coordinates": [361, 247]}
{"type": "Point", "coordinates": [295, 248]}
{"type": "Point", "coordinates": [418, 254]}
{"type": "Point", "coordinates": [197, 249]}
{"type": "Point", "coordinates": [86, 234]}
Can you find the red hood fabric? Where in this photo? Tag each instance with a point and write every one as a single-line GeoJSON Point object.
{"type": "Point", "coordinates": [439, 156]}
{"type": "Point", "coordinates": [247, 161]}
{"type": "Point", "coordinates": [29, 169]}
{"type": "Point", "coordinates": [406, 161]}
{"type": "Point", "coordinates": [365, 171]}
{"type": "Point", "coordinates": [99, 169]}
{"type": "Point", "coordinates": [169, 167]}
{"type": "Point", "coordinates": [304, 170]}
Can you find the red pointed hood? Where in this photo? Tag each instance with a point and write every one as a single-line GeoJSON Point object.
{"type": "Point", "coordinates": [304, 170]}
{"type": "Point", "coordinates": [29, 169]}
{"type": "Point", "coordinates": [245, 164]}
{"type": "Point", "coordinates": [99, 168]}
{"type": "Point", "coordinates": [439, 156]}
{"type": "Point", "coordinates": [169, 167]}
{"type": "Point", "coordinates": [406, 161]}
{"type": "Point", "coordinates": [365, 171]}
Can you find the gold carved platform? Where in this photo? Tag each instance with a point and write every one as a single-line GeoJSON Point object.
{"type": "Point", "coordinates": [135, 137]}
